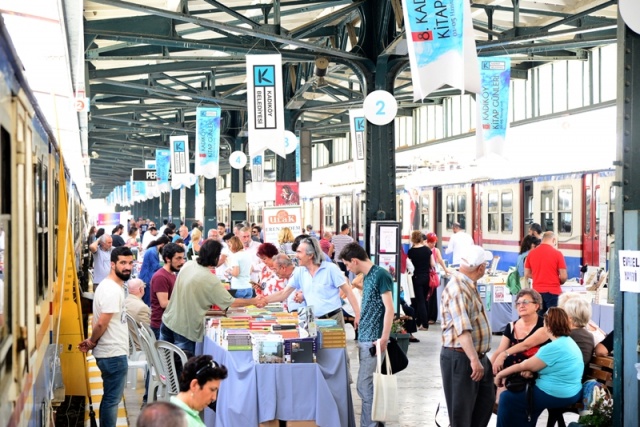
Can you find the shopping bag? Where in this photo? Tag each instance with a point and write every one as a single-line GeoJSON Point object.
{"type": "Point", "coordinates": [385, 392]}
{"type": "Point", "coordinates": [396, 357]}
{"type": "Point", "coordinates": [408, 290]}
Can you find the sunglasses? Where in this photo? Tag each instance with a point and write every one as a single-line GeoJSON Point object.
{"type": "Point", "coordinates": [210, 365]}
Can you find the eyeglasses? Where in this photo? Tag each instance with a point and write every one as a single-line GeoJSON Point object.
{"type": "Point", "coordinates": [210, 365]}
{"type": "Point", "coordinates": [525, 302]}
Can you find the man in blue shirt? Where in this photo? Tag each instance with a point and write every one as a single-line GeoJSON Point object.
{"type": "Point", "coordinates": [375, 322]}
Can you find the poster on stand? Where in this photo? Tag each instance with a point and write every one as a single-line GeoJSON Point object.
{"type": "Point", "coordinates": [278, 217]}
{"type": "Point", "coordinates": [287, 193]}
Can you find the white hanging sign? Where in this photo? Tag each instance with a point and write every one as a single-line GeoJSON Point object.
{"type": "Point", "coordinates": [290, 142]}
{"type": "Point", "coordinates": [237, 160]}
{"type": "Point", "coordinates": [265, 104]}
{"type": "Point", "coordinates": [358, 127]}
{"type": "Point", "coordinates": [180, 161]}
{"type": "Point", "coordinates": [380, 107]}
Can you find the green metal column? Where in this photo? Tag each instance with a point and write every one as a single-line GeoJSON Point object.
{"type": "Point", "coordinates": [190, 204]}
{"type": "Point", "coordinates": [238, 187]}
{"type": "Point", "coordinates": [210, 214]}
{"type": "Point", "coordinates": [626, 394]}
{"type": "Point", "coordinates": [175, 206]}
{"type": "Point", "coordinates": [164, 208]}
{"type": "Point", "coordinates": [154, 211]}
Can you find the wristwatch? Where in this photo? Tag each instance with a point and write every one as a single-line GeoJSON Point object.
{"type": "Point", "coordinates": [506, 353]}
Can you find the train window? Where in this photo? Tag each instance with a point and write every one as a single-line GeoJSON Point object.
{"type": "Point", "coordinates": [492, 211]}
{"type": "Point", "coordinates": [462, 211]}
{"type": "Point", "coordinates": [451, 213]}
{"type": "Point", "coordinates": [546, 209]}
{"type": "Point", "coordinates": [612, 208]}
{"type": "Point", "coordinates": [565, 207]}
{"type": "Point", "coordinates": [507, 211]}
{"type": "Point", "coordinates": [424, 211]}
{"type": "Point", "coordinates": [328, 215]}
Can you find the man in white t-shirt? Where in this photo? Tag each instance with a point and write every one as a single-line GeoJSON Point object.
{"type": "Point", "coordinates": [458, 243]}
{"type": "Point", "coordinates": [110, 335]}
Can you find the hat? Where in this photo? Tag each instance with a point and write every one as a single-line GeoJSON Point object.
{"type": "Point", "coordinates": [473, 256]}
{"type": "Point", "coordinates": [456, 224]}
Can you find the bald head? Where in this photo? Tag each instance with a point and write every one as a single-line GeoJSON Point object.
{"type": "Point", "coordinates": [549, 237]}
{"type": "Point", "coordinates": [162, 414]}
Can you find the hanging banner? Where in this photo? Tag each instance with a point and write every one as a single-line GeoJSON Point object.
{"type": "Point", "coordinates": [179, 146]}
{"type": "Point", "coordinates": [357, 124]}
{"type": "Point", "coordinates": [163, 163]}
{"type": "Point", "coordinates": [441, 46]}
{"type": "Point", "coordinates": [207, 142]}
{"type": "Point", "coordinates": [492, 105]}
{"type": "Point", "coordinates": [257, 168]}
{"type": "Point", "coordinates": [152, 186]}
{"type": "Point", "coordinates": [287, 193]}
{"type": "Point", "coordinates": [265, 104]}
{"type": "Point", "coordinates": [108, 220]}
{"type": "Point", "coordinates": [298, 173]}
{"type": "Point", "coordinates": [129, 196]}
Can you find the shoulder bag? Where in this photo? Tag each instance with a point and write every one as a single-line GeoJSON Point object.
{"type": "Point", "coordinates": [385, 392]}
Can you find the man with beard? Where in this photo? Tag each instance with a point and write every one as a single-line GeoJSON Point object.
{"type": "Point", "coordinates": [162, 283]}
{"type": "Point", "coordinates": [110, 335]}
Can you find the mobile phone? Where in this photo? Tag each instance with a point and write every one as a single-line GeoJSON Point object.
{"type": "Point", "coordinates": [372, 350]}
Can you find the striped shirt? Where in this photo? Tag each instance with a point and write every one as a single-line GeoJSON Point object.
{"type": "Point", "coordinates": [339, 242]}
{"type": "Point", "coordinates": [463, 310]}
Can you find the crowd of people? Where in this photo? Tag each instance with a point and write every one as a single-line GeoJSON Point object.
{"type": "Point", "coordinates": [175, 287]}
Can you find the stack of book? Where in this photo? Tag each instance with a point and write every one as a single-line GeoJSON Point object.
{"type": "Point", "coordinates": [332, 338]}
{"type": "Point", "coordinates": [236, 340]}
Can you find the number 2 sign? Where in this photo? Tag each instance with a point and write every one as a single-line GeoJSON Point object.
{"type": "Point", "coordinates": [380, 107]}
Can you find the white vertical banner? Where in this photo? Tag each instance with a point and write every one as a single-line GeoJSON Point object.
{"type": "Point", "coordinates": [265, 104]}
{"type": "Point", "coordinates": [492, 106]}
{"type": "Point", "coordinates": [207, 142]}
{"type": "Point", "coordinates": [358, 126]}
{"type": "Point", "coordinates": [179, 161]}
{"type": "Point", "coordinates": [257, 168]}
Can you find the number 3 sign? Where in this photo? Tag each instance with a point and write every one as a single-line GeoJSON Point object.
{"type": "Point", "coordinates": [380, 107]}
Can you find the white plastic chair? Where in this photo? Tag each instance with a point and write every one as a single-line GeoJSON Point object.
{"type": "Point", "coordinates": [134, 363]}
{"type": "Point", "coordinates": [167, 352]}
{"type": "Point", "coordinates": [157, 379]}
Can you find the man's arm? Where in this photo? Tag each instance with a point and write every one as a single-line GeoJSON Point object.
{"type": "Point", "coordinates": [387, 300]}
{"type": "Point", "coordinates": [243, 302]}
{"type": "Point", "coordinates": [477, 370]}
{"type": "Point", "coordinates": [144, 316]}
{"type": "Point", "coordinates": [346, 288]}
{"type": "Point", "coordinates": [450, 245]}
{"type": "Point", "coordinates": [562, 274]}
{"type": "Point", "coordinates": [527, 273]}
{"type": "Point", "coordinates": [163, 299]}
{"type": "Point", "coordinates": [98, 330]}
{"type": "Point", "coordinates": [94, 247]}
{"type": "Point", "coordinates": [280, 295]}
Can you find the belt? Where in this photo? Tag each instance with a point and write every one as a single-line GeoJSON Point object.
{"type": "Point", "coordinates": [461, 350]}
{"type": "Point", "coordinates": [330, 314]}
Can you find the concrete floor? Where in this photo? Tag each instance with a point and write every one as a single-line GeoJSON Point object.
{"type": "Point", "coordinates": [419, 386]}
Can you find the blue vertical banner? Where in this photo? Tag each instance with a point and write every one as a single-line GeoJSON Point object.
{"type": "Point", "coordinates": [358, 127]}
{"type": "Point", "coordinates": [207, 142]}
{"type": "Point", "coordinates": [441, 45]}
{"type": "Point", "coordinates": [129, 194]}
{"type": "Point", "coordinates": [493, 105]}
{"type": "Point", "coordinates": [298, 174]}
{"type": "Point", "coordinates": [265, 104]}
{"type": "Point", "coordinates": [162, 169]}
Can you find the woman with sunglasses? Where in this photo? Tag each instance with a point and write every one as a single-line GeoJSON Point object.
{"type": "Point", "coordinates": [199, 384]}
{"type": "Point", "coordinates": [559, 366]}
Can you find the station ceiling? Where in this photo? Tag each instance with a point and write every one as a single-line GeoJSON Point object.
{"type": "Point", "coordinates": [150, 63]}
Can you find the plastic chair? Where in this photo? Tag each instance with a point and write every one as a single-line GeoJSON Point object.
{"type": "Point", "coordinates": [134, 363]}
{"type": "Point", "coordinates": [167, 353]}
{"type": "Point", "coordinates": [144, 328]}
{"type": "Point", "coordinates": [157, 379]}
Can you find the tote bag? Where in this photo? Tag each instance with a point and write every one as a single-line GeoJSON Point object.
{"type": "Point", "coordinates": [385, 392]}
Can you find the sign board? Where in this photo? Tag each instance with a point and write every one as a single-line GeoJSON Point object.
{"type": "Point", "coordinates": [278, 217]}
{"type": "Point", "coordinates": [143, 174]}
{"type": "Point", "coordinates": [629, 271]}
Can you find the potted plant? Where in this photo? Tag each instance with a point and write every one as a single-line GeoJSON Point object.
{"type": "Point", "coordinates": [400, 334]}
{"type": "Point", "coordinates": [600, 414]}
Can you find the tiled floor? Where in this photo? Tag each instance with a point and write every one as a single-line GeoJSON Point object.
{"type": "Point", "coordinates": [419, 386]}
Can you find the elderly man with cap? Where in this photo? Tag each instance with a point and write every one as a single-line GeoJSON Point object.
{"type": "Point", "coordinates": [458, 242]}
{"type": "Point", "coordinates": [466, 338]}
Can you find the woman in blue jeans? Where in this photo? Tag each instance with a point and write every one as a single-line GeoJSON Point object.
{"type": "Point", "coordinates": [559, 366]}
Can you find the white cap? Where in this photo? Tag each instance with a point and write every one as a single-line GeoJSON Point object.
{"type": "Point", "coordinates": [473, 256]}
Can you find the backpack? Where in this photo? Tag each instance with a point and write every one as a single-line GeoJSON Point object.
{"type": "Point", "coordinates": [592, 390]}
{"type": "Point", "coordinates": [513, 281]}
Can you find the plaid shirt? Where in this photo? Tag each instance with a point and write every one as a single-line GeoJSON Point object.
{"type": "Point", "coordinates": [463, 310]}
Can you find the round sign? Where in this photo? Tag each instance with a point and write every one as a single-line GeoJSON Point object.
{"type": "Point", "coordinates": [290, 142]}
{"type": "Point", "coordinates": [630, 12]}
{"type": "Point", "coordinates": [380, 107]}
{"type": "Point", "coordinates": [80, 104]}
{"type": "Point", "coordinates": [238, 160]}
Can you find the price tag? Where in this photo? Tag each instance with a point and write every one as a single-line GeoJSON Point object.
{"type": "Point", "coordinates": [380, 107]}
{"type": "Point", "coordinates": [238, 160]}
{"type": "Point", "coordinates": [290, 142]}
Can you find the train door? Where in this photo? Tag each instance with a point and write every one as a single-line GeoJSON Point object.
{"type": "Point", "coordinates": [344, 204]}
{"type": "Point", "coordinates": [437, 210]}
{"type": "Point", "coordinates": [328, 212]}
{"type": "Point", "coordinates": [526, 207]}
{"type": "Point", "coordinates": [590, 243]}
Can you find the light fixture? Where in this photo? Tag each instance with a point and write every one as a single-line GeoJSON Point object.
{"type": "Point", "coordinates": [94, 155]}
{"type": "Point", "coordinates": [322, 64]}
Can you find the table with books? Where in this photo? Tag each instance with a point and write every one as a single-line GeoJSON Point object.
{"type": "Point", "coordinates": [255, 393]}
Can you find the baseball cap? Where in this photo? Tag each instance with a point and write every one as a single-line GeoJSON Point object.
{"type": "Point", "coordinates": [473, 256]}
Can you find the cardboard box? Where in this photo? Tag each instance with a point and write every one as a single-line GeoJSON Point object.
{"type": "Point", "coordinates": [272, 423]}
{"type": "Point", "coordinates": [301, 424]}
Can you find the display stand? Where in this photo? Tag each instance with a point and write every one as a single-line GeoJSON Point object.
{"type": "Point", "coordinates": [385, 249]}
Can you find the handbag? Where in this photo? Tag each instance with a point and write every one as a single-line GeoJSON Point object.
{"type": "Point", "coordinates": [434, 282]}
{"type": "Point", "coordinates": [517, 383]}
{"type": "Point", "coordinates": [396, 357]}
{"type": "Point", "coordinates": [385, 392]}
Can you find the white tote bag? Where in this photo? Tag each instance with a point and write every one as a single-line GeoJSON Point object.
{"type": "Point", "coordinates": [385, 392]}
